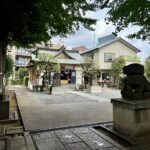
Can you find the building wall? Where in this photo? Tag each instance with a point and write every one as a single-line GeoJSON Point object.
{"type": "Point", "coordinates": [12, 52]}
{"type": "Point", "coordinates": [96, 59]}
{"type": "Point", "coordinates": [78, 75]}
{"type": "Point", "coordinates": [20, 56]}
{"type": "Point", "coordinates": [118, 48]}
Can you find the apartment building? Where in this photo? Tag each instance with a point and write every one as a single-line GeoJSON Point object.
{"type": "Point", "coordinates": [20, 56]}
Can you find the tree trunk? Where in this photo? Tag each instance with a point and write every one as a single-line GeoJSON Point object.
{"type": "Point", "coordinates": [3, 49]}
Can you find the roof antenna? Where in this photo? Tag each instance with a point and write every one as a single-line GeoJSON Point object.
{"type": "Point", "coordinates": [94, 40]}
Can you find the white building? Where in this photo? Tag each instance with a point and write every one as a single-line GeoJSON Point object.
{"type": "Point", "coordinates": [109, 48]}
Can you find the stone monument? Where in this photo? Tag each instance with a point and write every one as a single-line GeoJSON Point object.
{"type": "Point", "coordinates": [131, 113]}
{"type": "Point", "coordinates": [93, 87]}
{"type": "Point", "coordinates": [4, 107]}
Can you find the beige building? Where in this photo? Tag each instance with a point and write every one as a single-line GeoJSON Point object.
{"type": "Point", "coordinates": [109, 48]}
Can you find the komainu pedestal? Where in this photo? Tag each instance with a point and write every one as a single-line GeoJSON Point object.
{"type": "Point", "coordinates": [131, 113]}
{"type": "Point", "coordinates": [131, 119]}
{"type": "Point", "coordinates": [4, 107]}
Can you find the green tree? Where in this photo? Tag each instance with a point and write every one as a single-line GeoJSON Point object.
{"type": "Point", "coordinates": [117, 69]}
{"type": "Point", "coordinates": [122, 13]}
{"type": "Point", "coordinates": [28, 22]}
{"type": "Point", "coordinates": [22, 72]}
{"type": "Point", "coordinates": [147, 67]}
{"type": "Point", "coordinates": [48, 63]}
{"type": "Point", "coordinates": [8, 66]}
{"type": "Point", "coordinates": [90, 71]}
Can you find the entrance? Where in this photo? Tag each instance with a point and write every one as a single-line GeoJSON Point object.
{"type": "Point", "coordinates": [68, 77]}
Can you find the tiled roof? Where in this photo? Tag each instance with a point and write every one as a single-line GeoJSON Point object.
{"type": "Point", "coordinates": [74, 56]}
{"type": "Point", "coordinates": [68, 61]}
{"type": "Point", "coordinates": [104, 41]}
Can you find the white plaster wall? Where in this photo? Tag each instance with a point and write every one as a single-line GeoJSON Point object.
{"type": "Point", "coordinates": [30, 86]}
{"type": "Point", "coordinates": [96, 59]}
{"type": "Point", "coordinates": [118, 48]}
{"type": "Point", "coordinates": [78, 75]}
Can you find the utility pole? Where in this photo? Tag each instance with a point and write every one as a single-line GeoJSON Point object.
{"type": "Point", "coordinates": [94, 42]}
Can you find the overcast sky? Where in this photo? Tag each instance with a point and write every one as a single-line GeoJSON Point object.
{"type": "Point", "coordinates": [89, 38]}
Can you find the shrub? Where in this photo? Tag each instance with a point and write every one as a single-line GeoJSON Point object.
{"type": "Point", "coordinates": [81, 87]}
{"type": "Point", "coordinates": [16, 82]}
{"type": "Point", "coordinates": [25, 80]}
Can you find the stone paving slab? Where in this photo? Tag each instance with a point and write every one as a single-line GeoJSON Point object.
{"type": "Point", "coordinates": [16, 143]}
{"type": "Point", "coordinates": [44, 135]}
{"type": "Point", "coordinates": [94, 141]}
{"type": "Point", "coordinates": [53, 143]}
{"type": "Point", "coordinates": [81, 130]}
{"type": "Point", "coordinates": [77, 146]}
{"type": "Point", "coordinates": [2, 144]}
{"type": "Point", "coordinates": [66, 136]}
{"type": "Point", "coordinates": [71, 139]}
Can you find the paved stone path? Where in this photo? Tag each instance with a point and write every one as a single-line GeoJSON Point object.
{"type": "Point", "coordinates": [105, 95]}
{"type": "Point", "coordinates": [40, 111]}
{"type": "Point", "coordinates": [2, 144]}
{"type": "Point", "coordinates": [71, 139]}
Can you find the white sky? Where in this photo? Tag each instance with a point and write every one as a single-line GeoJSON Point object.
{"type": "Point", "coordinates": [89, 38]}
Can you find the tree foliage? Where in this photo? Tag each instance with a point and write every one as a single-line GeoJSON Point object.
{"type": "Point", "coordinates": [147, 67]}
{"type": "Point", "coordinates": [47, 62]}
{"type": "Point", "coordinates": [117, 67]}
{"type": "Point", "coordinates": [122, 13]}
{"type": "Point", "coordinates": [8, 66]}
{"type": "Point", "coordinates": [89, 67]}
{"type": "Point", "coordinates": [25, 22]}
{"type": "Point", "coordinates": [90, 71]}
{"type": "Point", "coordinates": [28, 22]}
{"type": "Point", "coordinates": [22, 72]}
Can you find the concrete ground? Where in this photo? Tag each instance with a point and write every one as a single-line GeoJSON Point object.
{"type": "Point", "coordinates": [42, 111]}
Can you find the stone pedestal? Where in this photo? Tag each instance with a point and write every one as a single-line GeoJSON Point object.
{"type": "Point", "coordinates": [131, 119]}
{"type": "Point", "coordinates": [94, 89]}
{"type": "Point", "coordinates": [4, 107]}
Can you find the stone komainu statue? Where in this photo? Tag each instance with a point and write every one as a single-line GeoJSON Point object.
{"type": "Point", "coordinates": [136, 86]}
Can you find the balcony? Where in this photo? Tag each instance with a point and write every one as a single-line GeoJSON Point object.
{"type": "Point", "coordinates": [132, 59]}
{"type": "Point", "coordinates": [26, 53]}
{"type": "Point", "coordinates": [21, 63]}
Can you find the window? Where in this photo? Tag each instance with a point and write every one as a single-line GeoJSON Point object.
{"type": "Point", "coordinates": [106, 76]}
{"type": "Point", "coordinates": [109, 57]}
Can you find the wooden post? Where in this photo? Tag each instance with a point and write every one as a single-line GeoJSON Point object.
{"type": "Point", "coordinates": [3, 48]}
{"type": "Point", "coordinates": [1, 69]}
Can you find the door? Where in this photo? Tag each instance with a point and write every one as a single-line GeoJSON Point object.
{"type": "Point", "coordinates": [73, 77]}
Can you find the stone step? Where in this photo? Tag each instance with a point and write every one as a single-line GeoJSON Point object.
{"type": "Point", "coordinates": [2, 144]}
{"type": "Point", "coordinates": [16, 143]}
{"type": "Point", "coordinates": [13, 118]}
{"type": "Point", "coordinates": [14, 130]}
{"type": "Point", "coordinates": [2, 132]}
{"type": "Point", "coordinates": [70, 88]}
{"type": "Point", "coordinates": [62, 89]}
